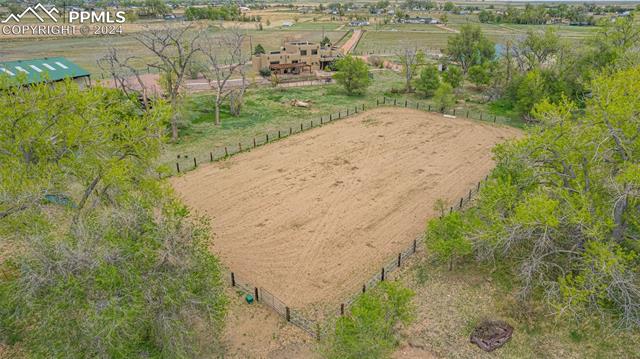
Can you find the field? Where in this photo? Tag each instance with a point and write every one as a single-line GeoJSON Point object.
{"type": "Point", "coordinates": [313, 216]}
{"type": "Point", "coordinates": [85, 51]}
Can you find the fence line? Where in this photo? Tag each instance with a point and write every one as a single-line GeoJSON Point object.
{"type": "Point", "coordinates": [315, 328]}
{"type": "Point", "coordinates": [312, 327]}
{"type": "Point", "coordinates": [185, 163]}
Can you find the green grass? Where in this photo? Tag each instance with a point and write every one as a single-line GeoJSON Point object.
{"type": "Point", "coordinates": [266, 110]}
{"type": "Point", "coordinates": [269, 110]}
{"type": "Point", "coordinates": [451, 303]}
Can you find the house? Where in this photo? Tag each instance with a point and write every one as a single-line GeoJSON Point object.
{"type": "Point", "coordinates": [296, 56]}
{"type": "Point", "coordinates": [419, 20]}
{"type": "Point", "coordinates": [287, 24]}
{"type": "Point", "coordinates": [359, 23]}
{"type": "Point", "coordinates": [48, 69]}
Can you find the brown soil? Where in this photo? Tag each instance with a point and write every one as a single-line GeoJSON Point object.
{"type": "Point", "coordinates": [255, 331]}
{"type": "Point", "coordinates": [313, 216]}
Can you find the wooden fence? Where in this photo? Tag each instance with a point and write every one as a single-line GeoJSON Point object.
{"type": "Point", "coordinates": [315, 328]}
{"type": "Point", "coordinates": [185, 163]}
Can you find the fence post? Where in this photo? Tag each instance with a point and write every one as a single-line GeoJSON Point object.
{"type": "Point", "coordinates": [311, 123]}
{"type": "Point", "coordinates": [290, 131]}
{"type": "Point", "coordinates": [342, 309]}
{"type": "Point", "coordinates": [377, 102]}
{"type": "Point", "coordinates": [356, 109]}
{"type": "Point", "coordinates": [429, 107]}
{"type": "Point", "coordinates": [321, 122]}
{"type": "Point", "coordinates": [479, 185]}
{"type": "Point", "coordinates": [195, 162]}
{"type": "Point", "coordinates": [382, 276]}
{"type": "Point", "coordinates": [278, 134]}
{"type": "Point", "coordinates": [239, 147]}
{"type": "Point", "coordinates": [399, 259]}
{"type": "Point", "coordinates": [339, 114]}
{"type": "Point", "coordinates": [226, 153]}
{"type": "Point", "coordinates": [288, 314]}
{"type": "Point", "coordinates": [267, 137]}
{"type": "Point", "coordinates": [461, 199]}
{"type": "Point", "coordinates": [178, 167]}
{"type": "Point", "coordinates": [415, 245]}
{"type": "Point", "coordinates": [364, 288]}
{"type": "Point", "coordinates": [301, 127]}
{"type": "Point", "coordinates": [394, 101]}
{"type": "Point", "coordinates": [405, 103]}
{"type": "Point", "coordinates": [467, 113]}
{"type": "Point", "coordinates": [469, 195]}
{"type": "Point", "coordinates": [233, 279]}
{"type": "Point", "coordinates": [454, 111]}
{"type": "Point", "coordinates": [417, 105]}
{"type": "Point", "coordinates": [450, 210]}
{"type": "Point", "coordinates": [211, 156]}
{"type": "Point", "coordinates": [494, 118]}
{"type": "Point", "coordinates": [255, 291]}
{"type": "Point", "coordinates": [384, 100]}
{"type": "Point", "coordinates": [329, 117]}
{"type": "Point", "coordinates": [480, 116]}
{"type": "Point", "coordinates": [362, 107]}
{"type": "Point", "coordinates": [347, 112]}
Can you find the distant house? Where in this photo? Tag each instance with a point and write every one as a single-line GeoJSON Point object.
{"type": "Point", "coordinates": [47, 70]}
{"type": "Point", "coordinates": [244, 9]}
{"type": "Point", "coordinates": [419, 20]}
{"type": "Point", "coordinates": [359, 23]}
{"type": "Point", "coordinates": [169, 17]}
{"type": "Point", "coordinates": [287, 24]}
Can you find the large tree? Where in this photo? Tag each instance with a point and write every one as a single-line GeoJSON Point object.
{"type": "Point", "coordinates": [174, 49]}
{"type": "Point", "coordinates": [562, 209]}
{"type": "Point", "coordinates": [225, 58]}
{"type": "Point", "coordinates": [411, 58]}
{"type": "Point", "coordinates": [97, 257]}
{"type": "Point", "coordinates": [470, 47]}
{"type": "Point", "coordinates": [353, 74]}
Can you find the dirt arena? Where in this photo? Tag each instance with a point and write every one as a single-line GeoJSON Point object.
{"type": "Point", "coordinates": [313, 216]}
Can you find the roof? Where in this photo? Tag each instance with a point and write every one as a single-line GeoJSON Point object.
{"type": "Point", "coordinates": [43, 70]}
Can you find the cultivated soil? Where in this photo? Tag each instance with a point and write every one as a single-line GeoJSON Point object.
{"type": "Point", "coordinates": [312, 217]}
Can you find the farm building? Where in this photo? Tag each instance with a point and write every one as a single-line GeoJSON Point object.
{"type": "Point", "coordinates": [51, 69]}
{"type": "Point", "coordinates": [296, 56]}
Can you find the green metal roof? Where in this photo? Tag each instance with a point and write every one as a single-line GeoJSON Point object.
{"type": "Point", "coordinates": [48, 69]}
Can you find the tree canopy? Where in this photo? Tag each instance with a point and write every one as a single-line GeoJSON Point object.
{"type": "Point", "coordinates": [99, 259]}
{"type": "Point", "coordinates": [562, 207]}
{"type": "Point", "coordinates": [353, 74]}
{"type": "Point", "coordinates": [470, 47]}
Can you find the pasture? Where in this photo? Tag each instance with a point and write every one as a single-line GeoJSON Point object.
{"type": "Point", "coordinates": [312, 216]}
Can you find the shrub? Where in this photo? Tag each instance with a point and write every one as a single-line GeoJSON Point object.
{"type": "Point", "coordinates": [370, 331]}
{"type": "Point", "coordinates": [376, 61]}
{"type": "Point", "coordinates": [428, 81]}
{"type": "Point", "coordinates": [265, 72]}
{"type": "Point", "coordinates": [444, 97]}
{"type": "Point", "coordinates": [445, 238]}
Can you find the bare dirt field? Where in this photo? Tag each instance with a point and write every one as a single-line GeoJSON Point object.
{"type": "Point", "coordinates": [313, 216]}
